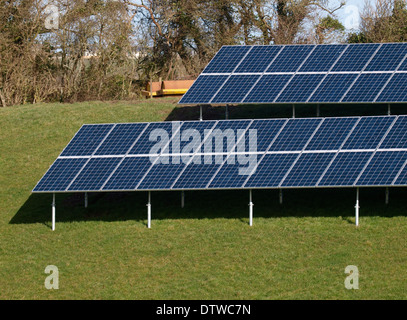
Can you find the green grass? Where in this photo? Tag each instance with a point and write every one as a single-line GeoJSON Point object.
{"type": "Point", "coordinates": [298, 250]}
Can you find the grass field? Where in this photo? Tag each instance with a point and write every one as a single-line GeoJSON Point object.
{"type": "Point", "coordinates": [298, 250]}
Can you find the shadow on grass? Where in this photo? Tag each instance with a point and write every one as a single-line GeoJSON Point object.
{"type": "Point", "coordinates": [231, 204]}
{"type": "Point", "coordinates": [182, 113]}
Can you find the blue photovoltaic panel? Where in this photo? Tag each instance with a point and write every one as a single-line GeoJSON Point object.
{"type": "Point", "coordinates": [258, 59]}
{"type": "Point", "coordinates": [332, 133]}
{"type": "Point", "coordinates": [87, 140]}
{"type": "Point", "coordinates": [366, 87]}
{"type": "Point", "coordinates": [203, 89]}
{"type": "Point", "coordinates": [290, 59]}
{"type": "Point", "coordinates": [225, 135]}
{"type": "Point", "coordinates": [388, 57]}
{"type": "Point", "coordinates": [121, 139]}
{"type": "Point", "coordinates": [402, 178]}
{"type": "Point", "coordinates": [383, 168]}
{"type": "Point", "coordinates": [266, 131]}
{"type": "Point", "coordinates": [162, 175]}
{"type": "Point", "coordinates": [368, 133]}
{"type": "Point", "coordinates": [226, 60]}
{"type": "Point", "coordinates": [153, 135]}
{"type": "Point", "coordinates": [271, 170]}
{"type": "Point", "coordinates": [355, 57]}
{"type": "Point", "coordinates": [403, 66]}
{"type": "Point", "coordinates": [267, 88]}
{"type": "Point", "coordinates": [197, 176]}
{"type": "Point", "coordinates": [129, 173]}
{"type": "Point", "coordinates": [395, 90]}
{"type": "Point", "coordinates": [397, 137]}
{"type": "Point", "coordinates": [300, 88]}
{"type": "Point", "coordinates": [333, 88]}
{"type": "Point", "coordinates": [308, 169]}
{"type": "Point", "coordinates": [234, 175]}
{"type": "Point", "coordinates": [345, 169]}
{"type": "Point", "coordinates": [322, 58]}
{"type": "Point", "coordinates": [191, 136]}
{"type": "Point", "coordinates": [295, 135]}
{"type": "Point", "coordinates": [235, 89]}
{"type": "Point", "coordinates": [94, 174]}
{"type": "Point", "coordinates": [60, 175]}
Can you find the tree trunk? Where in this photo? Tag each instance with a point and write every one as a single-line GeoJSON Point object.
{"type": "Point", "coordinates": [3, 99]}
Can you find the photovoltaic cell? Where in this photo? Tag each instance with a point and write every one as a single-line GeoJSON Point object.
{"type": "Point", "coordinates": [383, 168]}
{"type": "Point", "coordinates": [234, 175]}
{"type": "Point", "coordinates": [333, 88]}
{"type": "Point", "coordinates": [197, 176]}
{"type": "Point", "coordinates": [191, 136]}
{"type": "Point", "coordinates": [267, 89]}
{"type": "Point", "coordinates": [397, 137]}
{"type": "Point", "coordinates": [87, 140]}
{"type": "Point", "coordinates": [128, 174]}
{"type": "Point", "coordinates": [290, 59]}
{"type": "Point", "coordinates": [235, 89]}
{"type": "Point", "coordinates": [258, 59]}
{"type": "Point", "coordinates": [388, 57]}
{"type": "Point", "coordinates": [332, 134]}
{"type": "Point", "coordinates": [322, 58]}
{"type": "Point", "coordinates": [225, 135]}
{"type": "Point", "coordinates": [153, 135]}
{"type": "Point", "coordinates": [308, 169]}
{"type": "Point", "coordinates": [60, 174]}
{"type": "Point", "coordinates": [368, 133]}
{"type": "Point", "coordinates": [395, 90]}
{"type": "Point", "coordinates": [266, 130]}
{"type": "Point", "coordinates": [121, 139]}
{"type": "Point", "coordinates": [295, 135]}
{"type": "Point", "coordinates": [345, 169]}
{"type": "Point", "coordinates": [271, 170]}
{"type": "Point", "coordinates": [366, 87]}
{"type": "Point", "coordinates": [300, 88]}
{"type": "Point", "coordinates": [162, 175]}
{"type": "Point", "coordinates": [402, 178]}
{"type": "Point", "coordinates": [95, 173]}
{"type": "Point", "coordinates": [355, 57]}
{"type": "Point", "coordinates": [226, 60]}
{"type": "Point", "coordinates": [203, 89]}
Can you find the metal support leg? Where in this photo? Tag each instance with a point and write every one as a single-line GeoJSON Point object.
{"type": "Point", "coordinates": [293, 110]}
{"type": "Point", "coordinates": [387, 195]}
{"type": "Point", "coordinates": [182, 199]}
{"type": "Point", "coordinates": [86, 199]}
{"type": "Point", "coordinates": [53, 212]}
{"type": "Point", "coordinates": [149, 211]}
{"type": "Point", "coordinates": [388, 110]}
{"type": "Point", "coordinates": [200, 113]}
{"type": "Point", "coordinates": [357, 207]}
{"type": "Point", "coordinates": [281, 196]}
{"type": "Point", "coordinates": [250, 208]}
{"type": "Point", "coordinates": [227, 112]}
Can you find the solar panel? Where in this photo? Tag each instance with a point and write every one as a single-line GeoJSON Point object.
{"type": "Point", "coordinates": [308, 169]}
{"type": "Point", "coordinates": [284, 153]}
{"type": "Point", "coordinates": [351, 73]}
{"type": "Point", "coordinates": [258, 59]}
{"type": "Point", "coordinates": [300, 88]}
{"type": "Point", "coordinates": [87, 139]}
{"type": "Point", "coordinates": [383, 168]}
{"type": "Point", "coordinates": [345, 169]}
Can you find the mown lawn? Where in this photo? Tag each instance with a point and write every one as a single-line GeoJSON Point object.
{"type": "Point", "coordinates": [298, 250]}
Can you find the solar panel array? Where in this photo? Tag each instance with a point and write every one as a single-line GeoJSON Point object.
{"type": "Point", "coordinates": [342, 73]}
{"type": "Point", "coordinates": [288, 153]}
